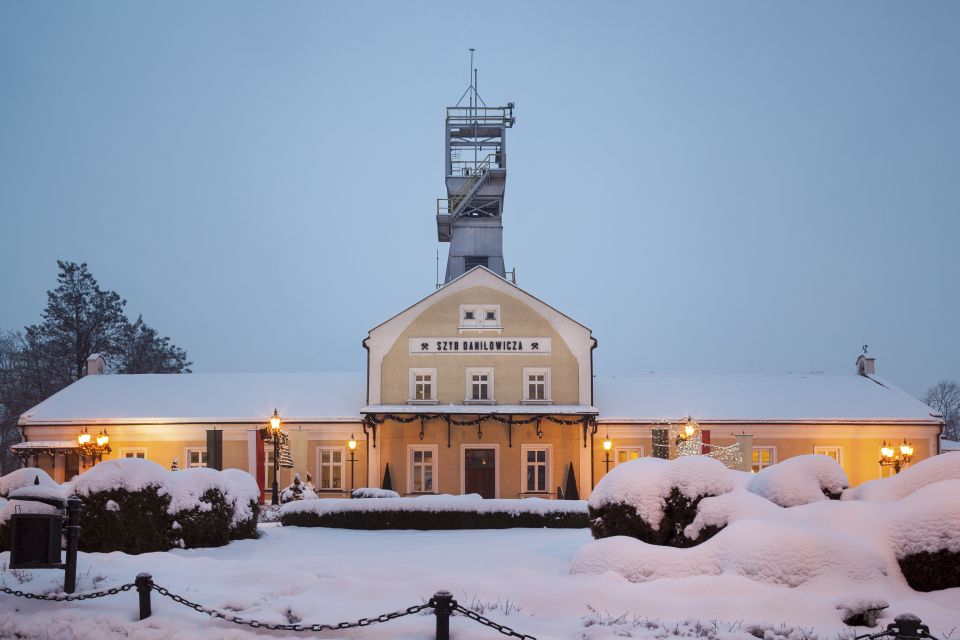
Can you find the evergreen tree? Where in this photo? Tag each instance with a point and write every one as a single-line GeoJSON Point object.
{"type": "Point", "coordinates": [143, 350]}
{"type": "Point", "coordinates": [387, 480]}
{"type": "Point", "coordinates": [570, 491]}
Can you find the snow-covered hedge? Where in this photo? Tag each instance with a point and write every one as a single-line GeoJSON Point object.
{"type": "Point", "coordinates": [137, 506]}
{"type": "Point", "coordinates": [800, 480]}
{"type": "Point", "coordinates": [945, 466]}
{"type": "Point", "coordinates": [26, 477]}
{"type": "Point", "coordinates": [435, 512]}
{"type": "Point", "coordinates": [654, 500]}
{"type": "Point", "coordinates": [854, 540]}
{"type": "Point", "coordinates": [373, 492]}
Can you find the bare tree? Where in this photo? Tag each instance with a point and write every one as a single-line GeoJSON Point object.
{"type": "Point", "coordinates": [945, 398]}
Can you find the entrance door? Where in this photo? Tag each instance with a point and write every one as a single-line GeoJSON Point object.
{"type": "Point", "coordinates": [480, 472]}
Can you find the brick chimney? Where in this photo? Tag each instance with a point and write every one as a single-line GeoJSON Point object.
{"type": "Point", "coordinates": [96, 365]}
{"type": "Point", "coordinates": [866, 365]}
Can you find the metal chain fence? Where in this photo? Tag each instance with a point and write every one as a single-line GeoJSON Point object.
{"type": "Point", "coordinates": [68, 598]}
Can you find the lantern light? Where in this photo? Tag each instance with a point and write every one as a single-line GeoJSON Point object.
{"type": "Point", "coordinates": [352, 443]}
{"type": "Point", "coordinates": [275, 421]}
{"type": "Point", "coordinates": [103, 439]}
{"type": "Point", "coordinates": [886, 450]}
{"type": "Point", "coordinates": [84, 437]}
{"type": "Point", "coordinates": [607, 444]}
{"type": "Point", "coordinates": [906, 449]}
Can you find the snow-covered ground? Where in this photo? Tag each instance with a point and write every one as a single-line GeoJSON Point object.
{"type": "Point", "coordinates": [518, 577]}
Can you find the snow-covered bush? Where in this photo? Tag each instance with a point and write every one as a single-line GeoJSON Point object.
{"type": "Point", "coordinates": [925, 533]}
{"type": "Point", "coordinates": [800, 480]}
{"type": "Point", "coordinates": [373, 492]}
{"type": "Point", "coordinates": [945, 466]}
{"type": "Point", "coordinates": [297, 491]}
{"type": "Point", "coordinates": [136, 506]}
{"type": "Point", "coordinates": [435, 512]}
{"type": "Point", "coordinates": [655, 500]}
{"type": "Point", "coordinates": [26, 477]}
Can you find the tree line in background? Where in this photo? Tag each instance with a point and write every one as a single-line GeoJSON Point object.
{"type": "Point", "coordinates": [945, 398]}
{"type": "Point", "coordinates": [80, 320]}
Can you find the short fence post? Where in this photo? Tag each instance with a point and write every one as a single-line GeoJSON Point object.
{"type": "Point", "coordinates": [908, 627]}
{"type": "Point", "coordinates": [144, 583]}
{"type": "Point", "coordinates": [443, 604]}
{"type": "Point", "coordinates": [74, 507]}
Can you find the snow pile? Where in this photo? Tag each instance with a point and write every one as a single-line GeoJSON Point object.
{"type": "Point", "coordinates": [25, 477]}
{"type": "Point", "coordinates": [646, 483]}
{"type": "Point", "coordinates": [9, 507]}
{"type": "Point", "coordinates": [800, 480]}
{"type": "Point", "coordinates": [927, 521]}
{"type": "Point", "coordinates": [373, 492]}
{"type": "Point", "coordinates": [470, 503]}
{"type": "Point", "coordinates": [55, 492]}
{"type": "Point", "coordinates": [945, 466]}
{"type": "Point", "coordinates": [132, 474]}
{"type": "Point", "coordinates": [298, 490]}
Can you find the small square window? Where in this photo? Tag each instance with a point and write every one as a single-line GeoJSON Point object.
{"type": "Point", "coordinates": [468, 315]}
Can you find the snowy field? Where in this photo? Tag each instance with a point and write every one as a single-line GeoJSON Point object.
{"type": "Point", "coordinates": [518, 577]}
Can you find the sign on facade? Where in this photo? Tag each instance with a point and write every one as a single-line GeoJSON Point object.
{"type": "Point", "coordinates": [473, 346]}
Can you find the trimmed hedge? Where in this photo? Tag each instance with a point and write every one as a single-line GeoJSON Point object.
{"type": "Point", "coordinates": [621, 519]}
{"type": "Point", "coordinates": [931, 571]}
{"type": "Point", "coordinates": [435, 520]}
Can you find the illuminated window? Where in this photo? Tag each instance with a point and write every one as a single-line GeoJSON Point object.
{"type": "Point", "coordinates": [626, 454]}
{"type": "Point", "coordinates": [330, 468]}
{"type": "Point", "coordinates": [762, 458]}
{"type": "Point", "coordinates": [422, 478]}
{"type": "Point", "coordinates": [196, 458]}
{"type": "Point", "coordinates": [833, 452]}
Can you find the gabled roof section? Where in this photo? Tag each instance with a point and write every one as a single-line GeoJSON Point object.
{"type": "Point", "coordinates": [482, 275]}
{"type": "Point", "coordinates": [212, 398]}
{"type": "Point", "coordinates": [807, 398]}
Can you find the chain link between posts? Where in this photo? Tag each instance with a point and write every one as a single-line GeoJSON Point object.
{"type": "Point", "coordinates": [68, 598]}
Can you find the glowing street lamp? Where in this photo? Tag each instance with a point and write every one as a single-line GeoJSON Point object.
{"type": "Point", "coordinates": [607, 445]}
{"type": "Point", "coordinates": [689, 429]}
{"type": "Point", "coordinates": [83, 438]}
{"type": "Point", "coordinates": [103, 439]}
{"type": "Point", "coordinates": [352, 445]}
{"type": "Point", "coordinates": [890, 457]}
{"type": "Point", "coordinates": [275, 431]}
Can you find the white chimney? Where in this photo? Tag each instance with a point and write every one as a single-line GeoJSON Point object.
{"type": "Point", "coordinates": [866, 365]}
{"type": "Point", "coordinates": [96, 364]}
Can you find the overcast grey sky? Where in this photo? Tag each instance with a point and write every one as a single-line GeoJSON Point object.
{"type": "Point", "coordinates": [711, 187]}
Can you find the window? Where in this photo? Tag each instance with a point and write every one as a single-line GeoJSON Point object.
{"type": "Point", "coordinates": [833, 452]}
{"type": "Point", "coordinates": [536, 465]}
{"type": "Point", "coordinates": [268, 467]}
{"type": "Point", "coordinates": [762, 458]}
{"type": "Point", "coordinates": [480, 386]}
{"type": "Point", "coordinates": [480, 316]}
{"type": "Point", "coordinates": [133, 453]}
{"type": "Point", "coordinates": [626, 454]}
{"type": "Point", "coordinates": [196, 457]}
{"type": "Point", "coordinates": [423, 385]}
{"type": "Point", "coordinates": [330, 468]}
{"type": "Point", "coordinates": [536, 385]}
{"type": "Point", "coordinates": [469, 262]}
{"type": "Point", "coordinates": [422, 477]}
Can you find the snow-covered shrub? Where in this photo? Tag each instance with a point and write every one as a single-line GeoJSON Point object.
{"type": "Point", "coordinates": [925, 534]}
{"type": "Point", "coordinates": [655, 500]}
{"type": "Point", "coordinates": [945, 466]}
{"type": "Point", "coordinates": [435, 512]}
{"type": "Point", "coordinates": [800, 480]}
{"type": "Point", "coordinates": [373, 492]}
{"type": "Point", "coordinates": [26, 477]}
{"type": "Point", "coordinates": [297, 491]}
{"type": "Point", "coordinates": [136, 506]}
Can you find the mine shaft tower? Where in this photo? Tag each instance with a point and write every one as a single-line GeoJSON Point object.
{"type": "Point", "coordinates": [470, 218]}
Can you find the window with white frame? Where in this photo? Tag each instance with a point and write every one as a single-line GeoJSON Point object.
{"type": "Point", "coordinates": [536, 385]}
{"type": "Point", "coordinates": [268, 467]}
{"type": "Point", "coordinates": [480, 316]}
{"type": "Point", "coordinates": [196, 457]}
{"type": "Point", "coordinates": [330, 468]}
{"type": "Point", "coordinates": [480, 385]}
{"type": "Point", "coordinates": [423, 385]}
{"type": "Point", "coordinates": [762, 457]}
{"type": "Point", "coordinates": [536, 465]}
{"type": "Point", "coordinates": [831, 451]}
{"type": "Point", "coordinates": [626, 454]}
{"type": "Point", "coordinates": [422, 475]}
{"type": "Point", "coordinates": [140, 453]}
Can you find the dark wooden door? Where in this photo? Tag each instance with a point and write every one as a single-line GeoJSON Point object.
{"type": "Point", "coordinates": [480, 472]}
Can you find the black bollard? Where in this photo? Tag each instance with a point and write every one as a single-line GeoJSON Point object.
{"type": "Point", "coordinates": [907, 626]}
{"type": "Point", "coordinates": [144, 583]}
{"type": "Point", "coordinates": [443, 604]}
{"type": "Point", "coordinates": [74, 507]}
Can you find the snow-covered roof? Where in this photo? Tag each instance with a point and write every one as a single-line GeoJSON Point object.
{"type": "Point", "coordinates": [483, 409]}
{"type": "Point", "coordinates": [814, 397]}
{"type": "Point", "coordinates": [204, 398]}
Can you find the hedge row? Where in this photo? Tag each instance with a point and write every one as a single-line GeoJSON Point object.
{"type": "Point", "coordinates": [931, 571]}
{"type": "Point", "coordinates": [427, 520]}
{"type": "Point", "coordinates": [621, 519]}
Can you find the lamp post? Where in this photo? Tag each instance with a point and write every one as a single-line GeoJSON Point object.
{"type": "Point", "coordinates": [607, 445]}
{"type": "Point", "coordinates": [275, 431]}
{"type": "Point", "coordinates": [896, 459]}
{"type": "Point", "coordinates": [352, 445]}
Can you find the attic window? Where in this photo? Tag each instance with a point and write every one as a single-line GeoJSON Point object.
{"type": "Point", "coordinates": [469, 262]}
{"type": "Point", "coordinates": [480, 316]}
